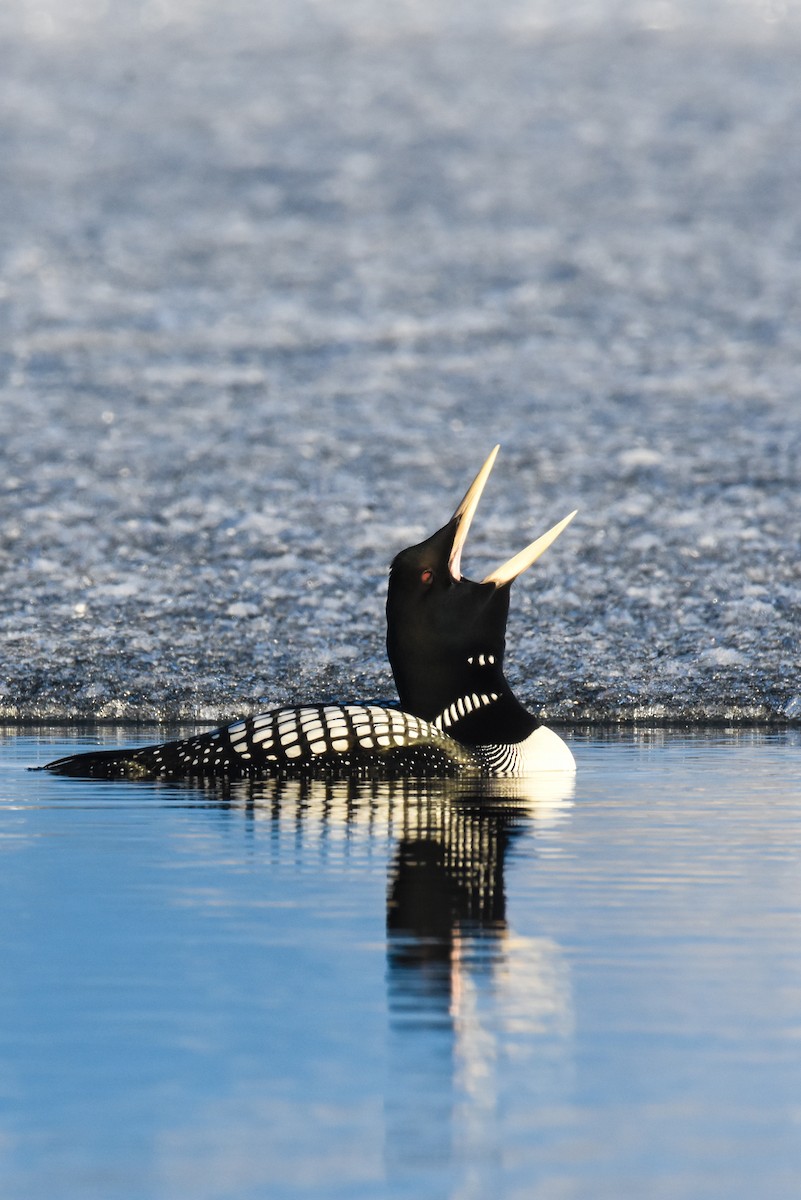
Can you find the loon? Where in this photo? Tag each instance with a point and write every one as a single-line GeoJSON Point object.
{"type": "Point", "coordinates": [445, 641]}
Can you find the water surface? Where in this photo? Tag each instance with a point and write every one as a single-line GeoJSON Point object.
{"type": "Point", "coordinates": [276, 990]}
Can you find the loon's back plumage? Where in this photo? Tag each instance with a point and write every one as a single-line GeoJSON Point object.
{"type": "Point", "coordinates": [445, 640]}
{"type": "Point", "coordinates": [327, 741]}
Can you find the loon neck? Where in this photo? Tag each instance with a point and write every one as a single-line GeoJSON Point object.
{"type": "Point", "coordinates": [468, 698]}
{"type": "Point", "coordinates": [462, 690]}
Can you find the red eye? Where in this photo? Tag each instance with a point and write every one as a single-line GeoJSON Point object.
{"type": "Point", "coordinates": [427, 576]}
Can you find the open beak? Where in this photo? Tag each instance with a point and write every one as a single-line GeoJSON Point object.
{"type": "Point", "coordinates": [463, 517]}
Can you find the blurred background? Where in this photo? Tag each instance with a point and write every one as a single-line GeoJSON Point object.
{"type": "Point", "coordinates": [275, 277]}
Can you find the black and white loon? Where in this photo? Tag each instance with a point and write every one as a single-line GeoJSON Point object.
{"type": "Point", "coordinates": [445, 639]}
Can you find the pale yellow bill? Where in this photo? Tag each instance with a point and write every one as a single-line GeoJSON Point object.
{"type": "Point", "coordinates": [466, 511]}
{"type": "Point", "coordinates": [522, 561]}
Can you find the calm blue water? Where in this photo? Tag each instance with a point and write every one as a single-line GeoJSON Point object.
{"type": "Point", "coordinates": [372, 992]}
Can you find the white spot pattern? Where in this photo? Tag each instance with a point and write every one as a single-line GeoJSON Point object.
{"type": "Point", "coordinates": [462, 707]}
{"type": "Point", "coordinates": [344, 738]}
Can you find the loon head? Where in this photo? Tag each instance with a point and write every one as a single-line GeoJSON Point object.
{"type": "Point", "coordinates": [446, 634]}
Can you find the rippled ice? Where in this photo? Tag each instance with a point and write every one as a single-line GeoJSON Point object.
{"type": "Point", "coordinates": [271, 289]}
{"type": "Point", "coordinates": [586, 990]}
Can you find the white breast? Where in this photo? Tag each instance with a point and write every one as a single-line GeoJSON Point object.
{"type": "Point", "coordinates": [542, 750]}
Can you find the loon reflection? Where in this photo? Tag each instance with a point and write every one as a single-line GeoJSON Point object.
{"type": "Point", "coordinates": [446, 884]}
{"type": "Point", "coordinates": [478, 995]}
{"type": "Point", "coordinates": [446, 900]}
{"type": "Point", "coordinates": [446, 907]}
{"type": "Point", "coordinates": [466, 991]}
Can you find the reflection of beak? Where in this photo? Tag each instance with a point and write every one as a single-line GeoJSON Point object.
{"type": "Point", "coordinates": [463, 517]}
